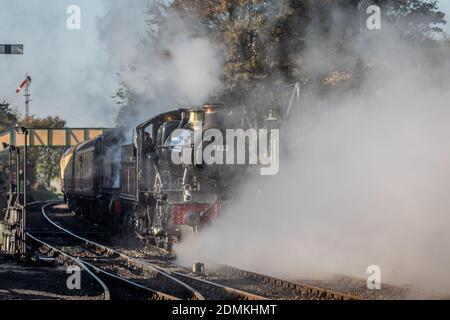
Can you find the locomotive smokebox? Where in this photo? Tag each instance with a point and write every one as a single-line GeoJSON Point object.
{"type": "Point", "coordinates": [192, 218]}
{"type": "Point", "coordinates": [215, 116]}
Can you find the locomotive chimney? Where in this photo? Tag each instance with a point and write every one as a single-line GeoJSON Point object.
{"type": "Point", "coordinates": [215, 115]}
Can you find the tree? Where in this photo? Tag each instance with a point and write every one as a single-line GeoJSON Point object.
{"type": "Point", "coordinates": [265, 39]}
{"type": "Point", "coordinates": [128, 107]}
{"type": "Point", "coordinates": [8, 117]}
{"type": "Point", "coordinates": [44, 161]}
{"type": "Point", "coordinates": [418, 19]}
{"type": "Point", "coordinates": [259, 39]}
{"type": "Point", "coordinates": [268, 42]}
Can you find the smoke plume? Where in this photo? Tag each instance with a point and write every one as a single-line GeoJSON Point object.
{"type": "Point", "coordinates": [169, 66]}
{"type": "Point", "coordinates": [364, 178]}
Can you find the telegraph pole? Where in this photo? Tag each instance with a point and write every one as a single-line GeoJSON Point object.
{"type": "Point", "coordinates": [17, 49]}
{"type": "Point", "coordinates": [27, 96]}
{"type": "Point", "coordinates": [23, 225]}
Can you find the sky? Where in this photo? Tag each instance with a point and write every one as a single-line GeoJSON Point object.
{"type": "Point", "coordinates": [73, 76]}
{"type": "Point", "coordinates": [445, 7]}
{"type": "Point", "coordinates": [70, 69]}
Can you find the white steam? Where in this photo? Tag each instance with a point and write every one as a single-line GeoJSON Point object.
{"type": "Point", "coordinates": [365, 181]}
{"type": "Point", "coordinates": [176, 67]}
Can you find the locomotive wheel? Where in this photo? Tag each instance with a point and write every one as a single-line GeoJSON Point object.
{"type": "Point", "coordinates": [164, 242]}
{"type": "Point", "coordinates": [159, 242]}
{"type": "Point", "coordinates": [142, 225]}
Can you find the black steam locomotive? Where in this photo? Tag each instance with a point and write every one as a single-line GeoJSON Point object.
{"type": "Point", "coordinates": [140, 187]}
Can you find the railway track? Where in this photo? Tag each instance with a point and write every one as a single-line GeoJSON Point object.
{"type": "Point", "coordinates": [67, 260]}
{"type": "Point", "coordinates": [266, 286]}
{"type": "Point", "coordinates": [298, 290]}
{"type": "Point", "coordinates": [132, 282]}
{"type": "Point", "coordinates": [114, 286]}
{"type": "Point", "coordinates": [269, 286]}
{"type": "Point", "coordinates": [113, 264]}
{"type": "Point", "coordinates": [227, 283]}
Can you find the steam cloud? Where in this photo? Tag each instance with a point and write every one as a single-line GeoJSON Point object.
{"type": "Point", "coordinates": [365, 179]}
{"type": "Point", "coordinates": [176, 68]}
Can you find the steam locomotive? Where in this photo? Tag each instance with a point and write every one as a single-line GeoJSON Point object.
{"type": "Point", "coordinates": [140, 187]}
